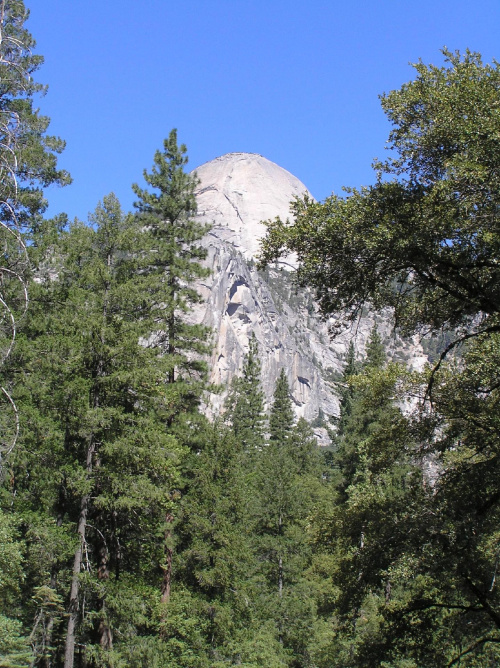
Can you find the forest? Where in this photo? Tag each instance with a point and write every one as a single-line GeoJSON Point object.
{"type": "Point", "coordinates": [135, 532]}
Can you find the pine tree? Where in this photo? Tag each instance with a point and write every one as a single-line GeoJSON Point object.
{"type": "Point", "coordinates": [116, 460]}
{"type": "Point", "coordinates": [170, 238]}
{"type": "Point", "coordinates": [14, 645]}
{"type": "Point", "coordinates": [213, 559]}
{"type": "Point", "coordinates": [105, 414]}
{"type": "Point", "coordinates": [277, 501]}
{"type": "Point", "coordinates": [275, 481]}
{"type": "Point", "coordinates": [346, 392]}
{"type": "Point", "coordinates": [375, 356]}
{"type": "Point", "coordinates": [28, 163]}
{"type": "Point", "coordinates": [359, 413]}
{"type": "Point", "coordinates": [28, 156]}
{"type": "Point", "coordinates": [246, 401]}
{"type": "Point", "coordinates": [282, 418]}
{"type": "Point", "coordinates": [375, 497]}
{"type": "Point", "coordinates": [289, 486]}
{"type": "Point", "coordinates": [165, 214]}
{"type": "Point", "coordinates": [304, 449]}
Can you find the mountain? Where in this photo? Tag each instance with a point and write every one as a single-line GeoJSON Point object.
{"type": "Point", "coordinates": [238, 191]}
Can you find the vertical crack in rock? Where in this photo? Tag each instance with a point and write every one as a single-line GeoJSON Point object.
{"type": "Point", "coordinates": [234, 207]}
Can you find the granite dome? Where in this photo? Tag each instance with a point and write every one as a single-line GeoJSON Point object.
{"type": "Point", "coordinates": [238, 191]}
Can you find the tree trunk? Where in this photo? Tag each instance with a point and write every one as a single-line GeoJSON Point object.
{"type": "Point", "coordinates": [117, 548]}
{"type": "Point", "coordinates": [73, 608]}
{"type": "Point", "coordinates": [104, 631]}
{"type": "Point", "coordinates": [280, 578]}
{"type": "Point", "coordinates": [47, 660]}
{"type": "Point", "coordinates": [94, 401]}
{"type": "Point", "coordinates": [69, 653]}
{"type": "Point", "coordinates": [280, 560]}
{"type": "Point", "coordinates": [167, 569]}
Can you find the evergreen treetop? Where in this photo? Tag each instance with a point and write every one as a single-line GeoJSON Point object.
{"type": "Point", "coordinates": [346, 392]}
{"type": "Point", "coordinates": [28, 156]}
{"type": "Point", "coordinates": [167, 209]}
{"type": "Point", "coordinates": [282, 417]}
{"type": "Point", "coordinates": [375, 356]}
{"type": "Point", "coordinates": [246, 401]}
{"type": "Point", "coordinates": [170, 261]}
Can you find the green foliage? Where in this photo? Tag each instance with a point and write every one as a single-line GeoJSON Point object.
{"type": "Point", "coordinates": [415, 558]}
{"type": "Point", "coordinates": [170, 258]}
{"type": "Point", "coordinates": [112, 377]}
{"type": "Point", "coordinates": [149, 537]}
{"type": "Point", "coordinates": [11, 558]}
{"type": "Point", "coordinates": [366, 407]}
{"type": "Point", "coordinates": [375, 352]}
{"type": "Point", "coordinates": [282, 418]}
{"type": "Point", "coordinates": [88, 394]}
{"type": "Point", "coordinates": [132, 532]}
{"type": "Point", "coordinates": [288, 486]}
{"type": "Point", "coordinates": [245, 403]}
{"type": "Point", "coordinates": [28, 155]}
{"type": "Point", "coordinates": [15, 651]}
{"type": "Point", "coordinates": [377, 506]}
{"type": "Point", "coordinates": [14, 647]}
{"type": "Point", "coordinates": [212, 526]}
{"type": "Point", "coordinates": [28, 163]}
{"type": "Point", "coordinates": [346, 393]}
{"type": "Point", "coordinates": [422, 239]}
{"type": "Point", "coordinates": [215, 616]}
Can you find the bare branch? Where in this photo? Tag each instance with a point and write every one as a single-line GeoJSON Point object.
{"type": "Point", "coordinates": [6, 448]}
{"type": "Point", "coordinates": [470, 649]}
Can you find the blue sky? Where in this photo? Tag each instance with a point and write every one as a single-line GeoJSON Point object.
{"type": "Point", "coordinates": [295, 81]}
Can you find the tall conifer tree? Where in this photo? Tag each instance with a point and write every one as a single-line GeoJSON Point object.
{"type": "Point", "coordinates": [171, 243]}
{"type": "Point", "coordinates": [246, 401]}
{"type": "Point", "coordinates": [213, 556]}
{"type": "Point", "coordinates": [282, 418]}
{"type": "Point", "coordinates": [28, 156]}
{"type": "Point", "coordinates": [120, 372]}
{"type": "Point", "coordinates": [278, 504]}
{"type": "Point", "coordinates": [357, 416]}
{"type": "Point", "coordinates": [377, 489]}
{"type": "Point", "coordinates": [375, 357]}
{"type": "Point", "coordinates": [346, 391]}
{"type": "Point", "coordinates": [289, 485]}
{"type": "Point", "coordinates": [98, 413]}
{"type": "Point", "coordinates": [28, 163]}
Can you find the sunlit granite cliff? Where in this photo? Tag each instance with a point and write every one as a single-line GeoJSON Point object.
{"type": "Point", "coordinates": [236, 193]}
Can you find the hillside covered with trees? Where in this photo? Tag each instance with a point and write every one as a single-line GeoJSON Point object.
{"type": "Point", "coordinates": [136, 533]}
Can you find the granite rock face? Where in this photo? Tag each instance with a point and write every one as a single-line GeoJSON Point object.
{"type": "Point", "coordinates": [240, 190]}
{"type": "Point", "coordinates": [236, 193]}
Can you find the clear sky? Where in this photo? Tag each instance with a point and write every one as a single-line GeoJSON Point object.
{"type": "Point", "coordinates": [296, 81]}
